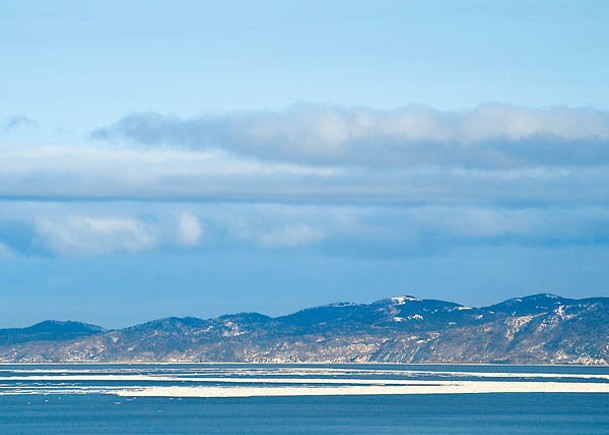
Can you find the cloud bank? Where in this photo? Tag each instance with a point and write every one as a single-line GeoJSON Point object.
{"type": "Point", "coordinates": [85, 229]}
{"type": "Point", "coordinates": [327, 179]}
{"type": "Point", "coordinates": [492, 136]}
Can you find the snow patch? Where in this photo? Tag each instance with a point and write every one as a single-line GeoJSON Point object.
{"type": "Point", "coordinates": [560, 312]}
{"type": "Point", "coordinates": [401, 300]}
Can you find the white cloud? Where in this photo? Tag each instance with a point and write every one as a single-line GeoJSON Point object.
{"type": "Point", "coordinates": [478, 222]}
{"type": "Point", "coordinates": [86, 229]}
{"type": "Point", "coordinates": [69, 171]}
{"type": "Point", "coordinates": [273, 226]}
{"type": "Point", "coordinates": [87, 235]}
{"type": "Point", "coordinates": [190, 230]}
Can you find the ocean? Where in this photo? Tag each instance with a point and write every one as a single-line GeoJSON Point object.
{"type": "Point", "coordinates": [302, 399]}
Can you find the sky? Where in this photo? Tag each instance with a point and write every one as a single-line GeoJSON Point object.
{"type": "Point", "coordinates": [202, 158]}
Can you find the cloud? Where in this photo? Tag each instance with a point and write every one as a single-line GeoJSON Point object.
{"type": "Point", "coordinates": [446, 182]}
{"type": "Point", "coordinates": [105, 228]}
{"type": "Point", "coordinates": [65, 171]}
{"type": "Point", "coordinates": [95, 228]}
{"type": "Point", "coordinates": [86, 235]}
{"type": "Point", "coordinates": [190, 230]}
{"type": "Point", "coordinates": [494, 154]}
{"type": "Point", "coordinates": [85, 172]}
{"type": "Point", "coordinates": [492, 136]}
{"type": "Point", "coordinates": [277, 226]}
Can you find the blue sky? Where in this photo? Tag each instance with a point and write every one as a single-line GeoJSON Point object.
{"type": "Point", "coordinates": [199, 158]}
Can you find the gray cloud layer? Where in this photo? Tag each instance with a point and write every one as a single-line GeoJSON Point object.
{"type": "Point", "coordinates": [67, 173]}
{"type": "Point", "coordinates": [493, 136]}
{"type": "Point", "coordinates": [87, 229]}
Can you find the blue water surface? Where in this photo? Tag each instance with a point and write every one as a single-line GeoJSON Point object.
{"type": "Point", "coordinates": [525, 413]}
{"type": "Point", "coordinates": [63, 412]}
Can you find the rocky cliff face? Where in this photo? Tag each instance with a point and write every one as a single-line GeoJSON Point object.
{"type": "Point", "coordinates": [539, 329]}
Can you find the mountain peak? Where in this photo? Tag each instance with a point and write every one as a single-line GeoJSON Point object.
{"type": "Point", "coordinates": [530, 304]}
{"type": "Point", "coordinates": [54, 325]}
{"type": "Point", "coordinates": [49, 330]}
{"type": "Point", "coordinates": [539, 296]}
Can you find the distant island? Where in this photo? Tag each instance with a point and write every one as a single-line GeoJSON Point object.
{"type": "Point", "coordinates": [537, 329]}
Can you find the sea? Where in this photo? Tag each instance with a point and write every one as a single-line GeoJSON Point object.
{"type": "Point", "coordinates": [303, 399]}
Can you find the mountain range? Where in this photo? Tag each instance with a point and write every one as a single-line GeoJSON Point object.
{"type": "Point", "coordinates": [537, 329]}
